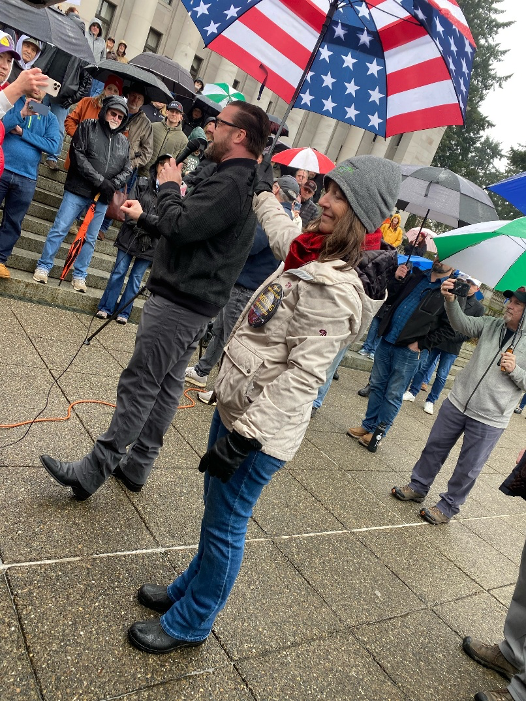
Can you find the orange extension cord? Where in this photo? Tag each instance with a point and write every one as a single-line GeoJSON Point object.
{"type": "Point", "coordinates": [92, 402]}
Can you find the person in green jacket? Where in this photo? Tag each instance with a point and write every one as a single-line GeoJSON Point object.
{"type": "Point", "coordinates": [168, 136]}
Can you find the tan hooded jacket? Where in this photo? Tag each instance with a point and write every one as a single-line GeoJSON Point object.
{"type": "Point", "coordinates": [270, 375]}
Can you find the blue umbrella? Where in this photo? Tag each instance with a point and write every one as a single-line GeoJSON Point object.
{"type": "Point", "coordinates": [513, 190]}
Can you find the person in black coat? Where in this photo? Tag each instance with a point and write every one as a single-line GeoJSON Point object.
{"type": "Point", "coordinates": [445, 353]}
{"type": "Point", "coordinates": [136, 240]}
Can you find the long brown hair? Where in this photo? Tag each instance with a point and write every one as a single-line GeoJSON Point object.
{"type": "Point", "coordinates": [344, 242]}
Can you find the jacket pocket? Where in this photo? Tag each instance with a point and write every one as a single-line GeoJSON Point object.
{"type": "Point", "coordinates": [235, 381]}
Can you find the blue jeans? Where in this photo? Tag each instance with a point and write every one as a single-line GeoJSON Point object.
{"type": "Point", "coordinates": [428, 360]}
{"type": "Point", "coordinates": [372, 340]}
{"type": "Point", "coordinates": [17, 191]}
{"type": "Point", "coordinates": [108, 302]}
{"type": "Point", "coordinates": [201, 592]}
{"type": "Point", "coordinates": [70, 208]}
{"type": "Point", "coordinates": [97, 86]}
{"type": "Point", "coordinates": [393, 368]}
{"type": "Point", "coordinates": [318, 402]}
{"type": "Point", "coordinates": [60, 113]}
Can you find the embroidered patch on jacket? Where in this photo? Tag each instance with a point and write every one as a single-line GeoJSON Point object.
{"type": "Point", "coordinates": [265, 305]}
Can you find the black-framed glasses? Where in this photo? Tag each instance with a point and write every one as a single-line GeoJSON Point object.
{"type": "Point", "coordinates": [220, 121]}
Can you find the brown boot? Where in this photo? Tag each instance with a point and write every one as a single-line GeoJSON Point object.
{"type": "Point", "coordinates": [4, 272]}
{"type": "Point", "coordinates": [101, 236]}
{"type": "Point", "coordinates": [357, 432]}
{"type": "Point", "coordinates": [490, 656]}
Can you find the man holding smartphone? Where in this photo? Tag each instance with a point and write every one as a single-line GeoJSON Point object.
{"type": "Point", "coordinates": [30, 131]}
{"type": "Point", "coordinates": [479, 406]}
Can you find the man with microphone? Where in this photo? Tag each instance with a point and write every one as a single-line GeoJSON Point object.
{"type": "Point", "coordinates": [204, 242]}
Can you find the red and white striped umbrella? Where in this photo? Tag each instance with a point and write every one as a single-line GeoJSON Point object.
{"type": "Point", "coordinates": [306, 158]}
{"type": "Point", "coordinates": [412, 234]}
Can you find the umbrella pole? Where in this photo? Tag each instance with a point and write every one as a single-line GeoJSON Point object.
{"type": "Point", "coordinates": [417, 237]}
{"type": "Point", "coordinates": [328, 19]}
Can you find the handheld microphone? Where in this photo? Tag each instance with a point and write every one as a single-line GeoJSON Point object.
{"type": "Point", "coordinates": [192, 146]}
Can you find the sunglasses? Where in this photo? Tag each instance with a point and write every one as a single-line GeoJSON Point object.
{"type": "Point", "coordinates": [116, 115]}
{"type": "Point", "coordinates": [220, 121]}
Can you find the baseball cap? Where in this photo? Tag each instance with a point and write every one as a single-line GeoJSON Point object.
{"type": "Point", "coordinates": [7, 44]}
{"type": "Point", "coordinates": [289, 185]}
{"type": "Point", "coordinates": [310, 185]}
{"type": "Point", "coordinates": [36, 42]}
{"type": "Point", "coordinates": [520, 294]}
{"type": "Point", "coordinates": [175, 105]}
{"type": "Point", "coordinates": [473, 281]}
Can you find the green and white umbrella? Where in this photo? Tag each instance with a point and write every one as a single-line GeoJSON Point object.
{"type": "Point", "coordinates": [222, 93]}
{"type": "Point", "coordinates": [493, 252]}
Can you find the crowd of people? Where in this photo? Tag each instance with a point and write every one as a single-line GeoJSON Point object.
{"type": "Point", "coordinates": [302, 267]}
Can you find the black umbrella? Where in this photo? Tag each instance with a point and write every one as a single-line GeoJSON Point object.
{"type": "Point", "coordinates": [155, 89]}
{"type": "Point", "coordinates": [208, 107]}
{"type": "Point", "coordinates": [46, 24]}
{"type": "Point", "coordinates": [176, 78]}
{"type": "Point", "coordinates": [274, 126]}
{"type": "Point", "coordinates": [441, 195]}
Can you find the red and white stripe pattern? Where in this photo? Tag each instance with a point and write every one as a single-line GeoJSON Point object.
{"type": "Point", "coordinates": [273, 40]}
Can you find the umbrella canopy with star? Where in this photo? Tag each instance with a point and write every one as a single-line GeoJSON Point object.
{"type": "Point", "coordinates": [388, 66]}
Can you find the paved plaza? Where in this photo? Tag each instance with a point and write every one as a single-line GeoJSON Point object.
{"type": "Point", "coordinates": [344, 592]}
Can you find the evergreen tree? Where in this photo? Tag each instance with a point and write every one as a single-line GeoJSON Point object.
{"type": "Point", "coordinates": [466, 149]}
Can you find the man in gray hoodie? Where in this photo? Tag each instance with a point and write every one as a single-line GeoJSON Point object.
{"type": "Point", "coordinates": [479, 405]}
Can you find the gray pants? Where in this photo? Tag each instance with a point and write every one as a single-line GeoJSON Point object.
{"type": "Point", "coordinates": [222, 327]}
{"type": "Point", "coordinates": [147, 395]}
{"type": "Point", "coordinates": [514, 645]}
{"type": "Point", "coordinates": [479, 441]}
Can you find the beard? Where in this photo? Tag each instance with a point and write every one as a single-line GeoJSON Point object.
{"type": "Point", "coordinates": [439, 267]}
{"type": "Point", "coordinates": [215, 151]}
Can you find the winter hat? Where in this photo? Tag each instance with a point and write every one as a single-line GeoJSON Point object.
{"type": "Point", "coordinates": [198, 133]}
{"type": "Point", "coordinates": [7, 44]}
{"type": "Point", "coordinates": [116, 81]}
{"type": "Point", "coordinates": [371, 186]}
{"type": "Point", "coordinates": [289, 185]}
{"type": "Point", "coordinates": [114, 102]}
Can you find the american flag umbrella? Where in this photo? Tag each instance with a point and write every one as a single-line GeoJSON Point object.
{"type": "Point", "coordinates": [306, 158]}
{"type": "Point", "coordinates": [388, 66]}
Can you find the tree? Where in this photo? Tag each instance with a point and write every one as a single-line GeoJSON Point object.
{"type": "Point", "coordinates": [465, 149]}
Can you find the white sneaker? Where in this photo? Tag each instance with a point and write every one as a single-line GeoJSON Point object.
{"type": "Point", "coordinates": [205, 397]}
{"type": "Point", "coordinates": [408, 396]}
{"type": "Point", "coordinates": [371, 356]}
{"type": "Point", "coordinates": [192, 376]}
{"type": "Point", "coordinates": [429, 408]}
{"type": "Point", "coordinates": [40, 275]}
{"type": "Point", "coordinates": [79, 284]}
{"type": "Point", "coordinates": [363, 352]}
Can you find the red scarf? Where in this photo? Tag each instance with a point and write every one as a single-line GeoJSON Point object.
{"type": "Point", "coordinates": [305, 248]}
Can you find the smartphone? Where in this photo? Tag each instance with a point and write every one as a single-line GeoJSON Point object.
{"type": "Point", "coordinates": [52, 88]}
{"type": "Point", "coordinates": [39, 108]}
{"type": "Point", "coordinates": [461, 288]}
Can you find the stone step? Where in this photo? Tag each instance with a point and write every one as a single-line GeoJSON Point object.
{"type": "Point", "coordinates": [22, 286]}
{"type": "Point", "coordinates": [103, 256]}
{"type": "Point", "coordinates": [23, 260]}
{"type": "Point", "coordinates": [37, 225]}
{"type": "Point", "coordinates": [58, 176]}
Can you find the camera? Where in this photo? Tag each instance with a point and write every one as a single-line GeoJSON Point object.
{"type": "Point", "coordinates": [461, 288]}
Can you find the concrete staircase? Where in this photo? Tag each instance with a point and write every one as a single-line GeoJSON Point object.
{"type": "Point", "coordinates": [352, 359]}
{"type": "Point", "coordinates": [22, 262]}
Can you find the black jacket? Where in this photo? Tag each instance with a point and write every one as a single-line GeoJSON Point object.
{"type": "Point", "coordinates": [96, 153]}
{"type": "Point", "coordinates": [473, 308]}
{"type": "Point", "coordinates": [140, 238]}
{"type": "Point", "coordinates": [428, 325]}
{"type": "Point", "coordinates": [204, 170]}
{"type": "Point", "coordinates": [205, 237]}
{"type": "Point", "coordinates": [68, 71]}
{"type": "Point", "coordinates": [376, 268]}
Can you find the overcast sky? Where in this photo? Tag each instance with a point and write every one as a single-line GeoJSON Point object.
{"type": "Point", "coordinates": [506, 107]}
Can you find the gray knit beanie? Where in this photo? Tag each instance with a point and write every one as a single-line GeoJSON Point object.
{"type": "Point", "coordinates": [371, 186]}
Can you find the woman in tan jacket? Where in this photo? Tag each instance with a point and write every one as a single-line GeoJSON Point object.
{"type": "Point", "coordinates": [275, 361]}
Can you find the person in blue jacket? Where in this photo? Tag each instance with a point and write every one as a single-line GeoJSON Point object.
{"type": "Point", "coordinates": [28, 135]}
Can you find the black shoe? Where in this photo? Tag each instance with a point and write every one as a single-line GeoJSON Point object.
{"type": "Point", "coordinates": [518, 410]}
{"type": "Point", "coordinates": [364, 392]}
{"type": "Point", "coordinates": [154, 597]}
{"type": "Point", "coordinates": [336, 375]}
{"type": "Point", "coordinates": [150, 637]}
{"type": "Point", "coordinates": [313, 412]}
{"type": "Point", "coordinates": [134, 487]}
{"type": "Point", "coordinates": [64, 474]}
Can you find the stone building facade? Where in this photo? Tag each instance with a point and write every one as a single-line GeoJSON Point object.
{"type": "Point", "coordinates": [165, 27]}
